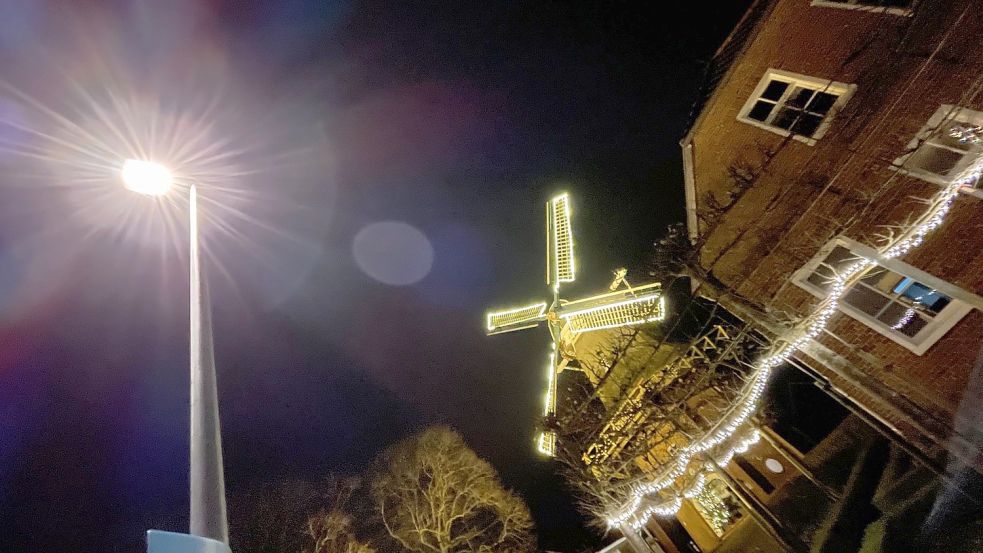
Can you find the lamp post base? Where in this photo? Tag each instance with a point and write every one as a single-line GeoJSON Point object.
{"type": "Point", "coordinates": [171, 542]}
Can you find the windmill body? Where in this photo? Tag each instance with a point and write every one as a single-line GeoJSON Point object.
{"type": "Point", "coordinates": [622, 306]}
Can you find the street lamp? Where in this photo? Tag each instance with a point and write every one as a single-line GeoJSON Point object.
{"type": "Point", "coordinates": [146, 177]}
{"type": "Point", "coordinates": [208, 513]}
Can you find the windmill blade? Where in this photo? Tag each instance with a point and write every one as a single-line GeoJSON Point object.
{"type": "Point", "coordinates": [518, 318]}
{"type": "Point", "coordinates": [559, 241]}
{"type": "Point", "coordinates": [547, 439]}
{"type": "Point", "coordinates": [625, 308]}
{"type": "Point", "coordinates": [547, 443]}
{"type": "Point", "coordinates": [549, 407]}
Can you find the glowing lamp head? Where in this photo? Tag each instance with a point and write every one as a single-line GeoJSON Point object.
{"type": "Point", "coordinates": [146, 177]}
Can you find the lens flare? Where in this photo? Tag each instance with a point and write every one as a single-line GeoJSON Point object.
{"type": "Point", "coordinates": [393, 253]}
{"type": "Point", "coordinates": [100, 116]}
{"type": "Point", "coordinates": [146, 177]}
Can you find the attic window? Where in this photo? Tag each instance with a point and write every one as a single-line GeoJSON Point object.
{"type": "Point", "coordinates": [895, 7]}
{"type": "Point", "coordinates": [790, 104]}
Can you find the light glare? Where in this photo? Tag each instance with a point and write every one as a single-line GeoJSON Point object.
{"type": "Point", "coordinates": [146, 177]}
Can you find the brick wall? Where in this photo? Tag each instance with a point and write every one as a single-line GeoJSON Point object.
{"type": "Point", "coordinates": [804, 195]}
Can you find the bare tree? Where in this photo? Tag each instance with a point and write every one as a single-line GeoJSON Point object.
{"type": "Point", "coordinates": [298, 516]}
{"type": "Point", "coordinates": [270, 517]}
{"type": "Point", "coordinates": [331, 530]}
{"type": "Point", "coordinates": [434, 494]}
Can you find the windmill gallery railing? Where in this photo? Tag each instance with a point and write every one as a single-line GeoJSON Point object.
{"type": "Point", "coordinates": [717, 353]}
{"type": "Point", "coordinates": [679, 389]}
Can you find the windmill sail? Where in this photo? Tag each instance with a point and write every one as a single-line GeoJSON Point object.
{"type": "Point", "coordinates": [559, 241]}
{"type": "Point", "coordinates": [547, 443]}
{"type": "Point", "coordinates": [518, 318]}
{"type": "Point", "coordinates": [547, 439]}
{"type": "Point", "coordinates": [624, 308]}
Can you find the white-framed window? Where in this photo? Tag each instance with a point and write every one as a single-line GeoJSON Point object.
{"type": "Point", "coordinates": [901, 302]}
{"type": "Point", "coordinates": [896, 7]}
{"type": "Point", "coordinates": [791, 104]}
{"type": "Point", "coordinates": [950, 141]}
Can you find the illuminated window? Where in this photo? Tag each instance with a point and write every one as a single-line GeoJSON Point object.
{"type": "Point", "coordinates": [717, 506]}
{"type": "Point", "coordinates": [896, 7]}
{"type": "Point", "coordinates": [901, 302]}
{"type": "Point", "coordinates": [948, 143]}
{"type": "Point", "coordinates": [787, 103]}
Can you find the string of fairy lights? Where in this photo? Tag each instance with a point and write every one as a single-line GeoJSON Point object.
{"type": "Point", "coordinates": [634, 513]}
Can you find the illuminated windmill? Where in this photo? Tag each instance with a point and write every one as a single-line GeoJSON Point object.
{"type": "Point", "coordinates": [618, 308]}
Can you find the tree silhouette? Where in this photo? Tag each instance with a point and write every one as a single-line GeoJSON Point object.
{"type": "Point", "coordinates": [434, 494]}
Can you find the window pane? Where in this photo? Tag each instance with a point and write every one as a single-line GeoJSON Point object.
{"type": "Point", "coordinates": [836, 261]}
{"type": "Point", "coordinates": [807, 124]}
{"type": "Point", "coordinates": [909, 323]}
{"type": "Point", "coordinates": [906, 320]}
{"type": "Point", "coordinates": [967, 134]}
{"type": "Point", "coordinates": [761, 110]}
{"type": "Point", "coordinates": [886, 281]}
{"type": "Point", "coordinates": [903, 285]}
{"type": "Point", "coordinates": [896, 314]}
{"type": "Point", "coordinates": [821, 102]}
{"type": "Point", "coordinates": [774, 90]}
{"type": "Point", "coordinates": [785, 118]}
{"type": "Point", "coordinates": [863, 298]}
{"type": "Point", "coordinates": [950, 136]}
{"type": "Point", "coordinates": [820, 278]}
{"type": "Point", "coordinates": [931, 159]}
{"type": "Point", "coordinates": [932, 300]}
{"type": "Point", "coordinates": [799, 97]}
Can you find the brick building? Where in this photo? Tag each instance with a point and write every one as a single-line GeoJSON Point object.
{"type": "Point", "coordinates": [822, 131]}
{"type": "Point", "coordinates": [825, 132]}
{"type": "Point", "coordinates": [833, 207]}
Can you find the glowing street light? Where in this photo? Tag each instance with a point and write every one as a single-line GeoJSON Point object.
{"type": "Point", "coordinates": [208, 512]}
{"type": "Point", "coordinates": [146, 177]}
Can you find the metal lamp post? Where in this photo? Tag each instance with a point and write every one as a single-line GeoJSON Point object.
{"type": "Point", "coordinates": [208, 512]}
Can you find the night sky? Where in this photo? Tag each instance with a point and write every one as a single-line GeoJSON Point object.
{"type": "Point", "coordinates": [391, 165]}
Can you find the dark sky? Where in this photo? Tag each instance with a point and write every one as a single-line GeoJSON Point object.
{"type": "Point", "coordinates": [458, 119]}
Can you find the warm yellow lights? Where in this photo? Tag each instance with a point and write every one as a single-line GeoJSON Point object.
{"type": "Point", "coordinates": [547, 444]}
{"type": "Point", "coordinates": [146, 177]}
{"type": "Point", "coordinates": [517, 318]}
{"type": "Point", "coordinates": [629, 307]}
{"type": "Point", "coordinates": [559, 241]}
{"type": "Point", "coordinates": [550, 407]}
{"type": "Point", "coordinates": [547, 439]}
{"type": "Point", "coordinates": [635, 311]}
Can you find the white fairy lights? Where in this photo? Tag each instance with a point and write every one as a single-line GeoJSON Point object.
{"type": "Point", "coordinates": [967, 133]}
{"type": "Point", "coordinates": [671, 506]}
{"type": "Point", "coordinates": [715, 511]}
{"type": "Point", "coordinates": [797, 337]}
{"type": "Point", "coordinates": [697, 487]}
{"type": "Point", "coordinates": [906, 318]}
